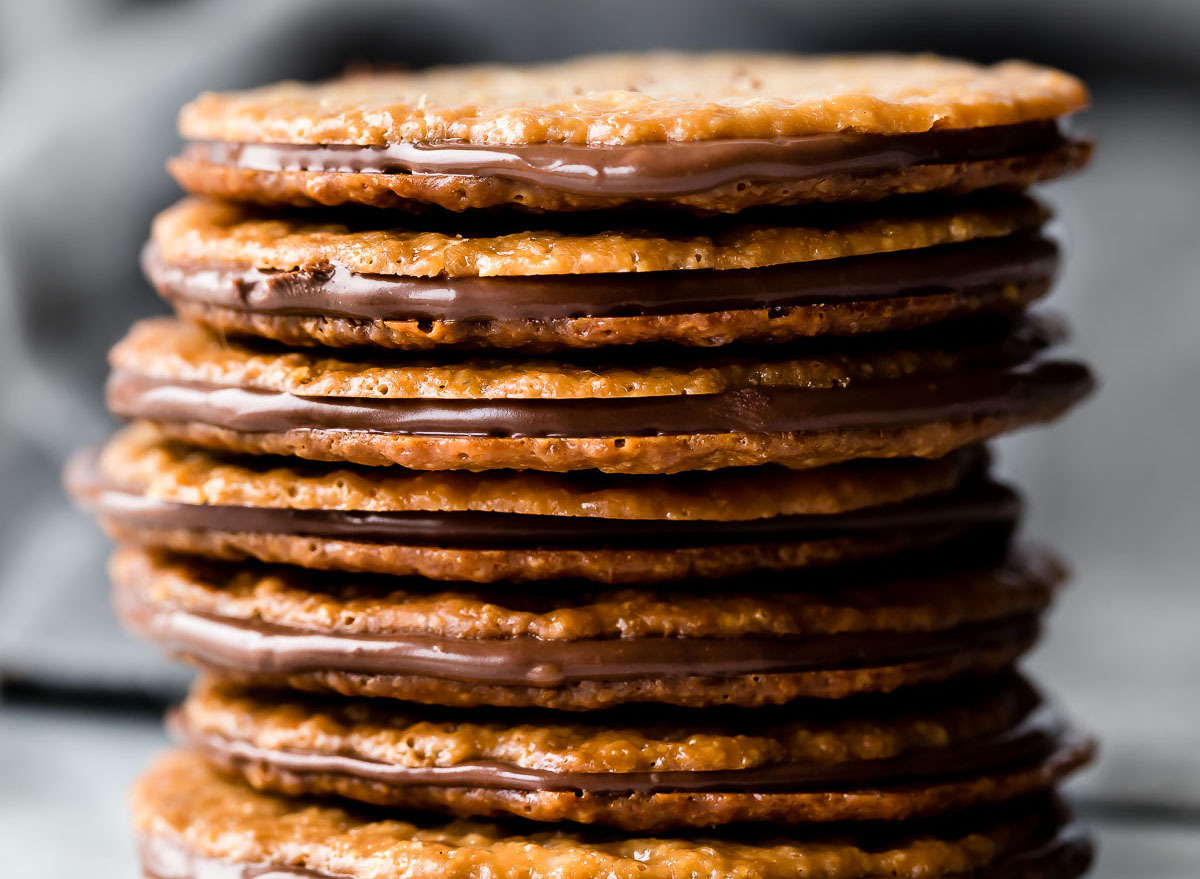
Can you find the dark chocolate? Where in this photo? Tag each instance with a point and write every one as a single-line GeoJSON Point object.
{"type": "Point", "coordinates": [970, 267]}
{"type": "Point", "coordinates": [654, 170]}
{"type": "Point", "coordinates": [864, 404]}
{"type": "Point", "coordinates": [270, 649]}
{"type": "Point", "coordinates": [1027, 743]}
{"type": "Point", "coordinates": [975, 506]}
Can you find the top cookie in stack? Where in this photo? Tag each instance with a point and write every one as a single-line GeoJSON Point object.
{"type": "Point", "coordinates": [660, 264]}
{"type": "Point", "coordinates": [716, 133]}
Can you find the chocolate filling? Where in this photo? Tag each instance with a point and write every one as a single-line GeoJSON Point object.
{"type": "Point", "coordinates": [654, 170]}
{"type": "Point", "coordinates": [971, 267]}
{"type": "Point", "coordinates": [270, 649]}
{"type": "Point", "coordinates": [979, 505]}
{"type": "Point", "coordinates": [1063, 853]}
{"type": "Point", "coordinates": [867, 404]}
{"type": "Point", "coordinates": [1029, 742]}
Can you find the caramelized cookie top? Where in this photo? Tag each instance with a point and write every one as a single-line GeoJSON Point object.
{"type": "Point", "coordinates": [639, 99]}
{"type": "Point", "coordinates": [199, 232]}
{"type": "Point", "coordinates": [338, 604]}
{"type": "Point", "coordinates": [140, 460]}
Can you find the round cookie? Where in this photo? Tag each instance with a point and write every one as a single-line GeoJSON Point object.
{"type": "Point", "coordinates": [593, 281]}
{"type": "Point", "coordinates": [191, 822]}
{"type": "Point", "coordinates": [713, 133]}
{"type": "Point", "coordinates": [643, 770]}
{"type": "Point", "coordinates": [920, 396]}
{"type": "Point", "coordinates": [738, 642]}
{"type": "Point", "coordinates": [515, 526]}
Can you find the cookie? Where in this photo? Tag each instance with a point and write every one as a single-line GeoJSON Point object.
{"type": "Point", "coordinates": [535, 526]}
{"type": "Point", "coordinates": [921, 396]}
{"type": "Point", "coordinates": [745, 642]}
{"type": "Point", "coordinates": [592, 281]}
{"type": "Point", "coordinates": [643, 770]}
{"type": "Point", "coordinates": [713, 133]}
{"type": "Point", "coordinates": [191, 822]}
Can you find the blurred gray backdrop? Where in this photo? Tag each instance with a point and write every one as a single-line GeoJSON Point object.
{"type": "Point", "coordinates": [88, 94]}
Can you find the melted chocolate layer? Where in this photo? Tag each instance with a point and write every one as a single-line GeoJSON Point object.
{"type": "Point", "coordinates": [881, 404]}
{"type": "Point", "coordinates": [1030, 742]}
{"type": "Point", "coordinates": [266, 648]}
{"type": "Point", "coordinates": [654, 170]}
{"type": "Point", "coordinates": [969, 267]}
{"type": "Point", "coordinates": [975, 506]}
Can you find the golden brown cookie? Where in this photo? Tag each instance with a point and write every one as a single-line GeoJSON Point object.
{"type": "Point", "coordinates": [590, 282]}
{"type": "Point", "coordinates": [645, 770]}
{"type": "Point", "coordinates": [743, 642]}
{"type": "Point", "coordinates": [920, 396]}
{"type": "Point", "coordinates": [716, 133]}
{"type": "Point", "coordinates": [192, 822]}
{"type": "Point", "coordinates": [534, 526]}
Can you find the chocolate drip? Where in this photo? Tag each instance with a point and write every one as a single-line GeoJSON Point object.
{"type": "Point", "coordinates": [266, 648]}
{"type": "Point", "coordinates": [973, 266]}
{"type": "Point", "coordinates": [1029, 742]}
{"type": "Point", "coordinates": [654, 170]}
{"type": "Point", "coordinates": [876, 404]}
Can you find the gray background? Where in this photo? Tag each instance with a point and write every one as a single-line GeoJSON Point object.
{"type": "Point", "coordinates": [88, 93]}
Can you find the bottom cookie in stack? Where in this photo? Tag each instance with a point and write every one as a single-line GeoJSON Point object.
{"type": "Point", "coordinates": [192, 822]}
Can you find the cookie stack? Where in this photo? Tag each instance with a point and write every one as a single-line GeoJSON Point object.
{"type": "Point", "coordinates": [579, 471]}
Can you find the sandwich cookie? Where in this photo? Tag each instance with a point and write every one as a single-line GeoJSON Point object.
{"type": "Point", "coordinates": [746, 642]}
{"type": "Point", "coordinates": [585, 282]}
{"type": "Point", "coordinates": [194, 823]}
{"type": "Point", "coordinates": [644, 770]}
{"type": "Point", "coordinates": [920, 396]}
{"type": "Point", "coordinates": [713, 133]}
{"type": "Point", "coordinates": [514, 526]}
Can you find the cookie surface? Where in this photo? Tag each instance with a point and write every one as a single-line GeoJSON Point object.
{"type": "Point", "coordinates": [534, 526]}
{"type": "Point", "coordinates": [923, 396]}
{"type": "Point", "coordinates": [643, 770]}
{"type": "Point", "coordinates": [739, 642]}
{"type": "Point", "coordinates": [713, 133]}
{"type": "Point", "coordinates": [192, 822]}
{"type": "Point", "coordinates": [595, 282]}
